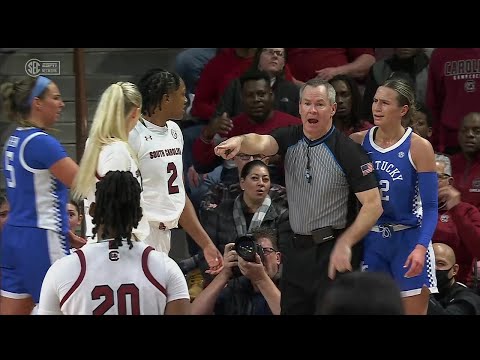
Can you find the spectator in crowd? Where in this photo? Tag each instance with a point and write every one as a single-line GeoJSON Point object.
{"type": "Point", "coordinates": [325, 63]}
{"type": "Point", "coordinates": [347, 117]}
{"type": "Point", "coordinates": [4, 211]}
{"type": "Point", "coordinates": [75, 218]}
{"type": "Point", "coordinates": [252, 208]}
{"type": "Point", "coordinates": [38, 173]}
{"type": "Point", "coordinates": [452, 93]}
{"type": "Point", "coordinates": [453, 297]}
{"type": "Point", "coordinates": [408, 63]}
{"type": "Point", "coordinates": [466, 164]}
{"type": "Point", "coordinates": [259, 117]}
{"type": "Point", "coordinates": [228, 64]}
{"type": "Point", "coordinates": [285, 92]}
{"type": "Point", "coordinates": [323, 169]}
{"type": "Point", "coordinates": [256, 292]}
{"type": "Point", "coordinates": [190, 63]}
{"type": "Point", "coordinates": [421, 121]}
{"type": "Point", "coordinates": [404, 163]}
{"type": "Point", "coordinates": [458, 224]}
{"type": "Point", "coordinates": [132, 279]}
{"type": "Point", "coordinates": [363, 293]}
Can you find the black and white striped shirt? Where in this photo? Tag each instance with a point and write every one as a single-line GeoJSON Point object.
{"type": "Point", "coordinates": [322, 177]}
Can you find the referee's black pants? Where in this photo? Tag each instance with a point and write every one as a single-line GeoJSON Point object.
{"type": "Point", "coordinates": [305, 278]}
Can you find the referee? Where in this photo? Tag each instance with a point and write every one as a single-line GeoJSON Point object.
{"type": "Point", "coordinates": [323, 169]}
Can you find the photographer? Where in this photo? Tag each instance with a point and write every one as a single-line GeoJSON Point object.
{"type": "Point", "coordinates": [250, 289]}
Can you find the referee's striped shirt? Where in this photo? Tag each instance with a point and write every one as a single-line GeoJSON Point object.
{"type": "Point", "coordinates": [321, 178]}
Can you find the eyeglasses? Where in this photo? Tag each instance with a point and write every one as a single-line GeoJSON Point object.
{"type": "Point", "coordinates": [268, 250]}
{"type": "Point", "coordinates": [443, 176]}
{"type": "Point", "coordinates": [246, 157]}
{"type": "Point", "coordinates": [271, 52]}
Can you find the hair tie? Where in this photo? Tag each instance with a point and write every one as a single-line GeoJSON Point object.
{"type": "Point", "coordinates": [40, 85]}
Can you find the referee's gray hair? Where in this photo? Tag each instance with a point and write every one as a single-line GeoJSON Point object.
{"type": "Point", "coordinates": [316, 82]}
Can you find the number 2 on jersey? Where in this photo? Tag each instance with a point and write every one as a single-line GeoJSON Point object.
{"type": "Point", "coordinates": [171, 168]}
{"type": "Point", "coordinates": [8, 166]}
{"type": "Point", "coordinates": [384, 187]}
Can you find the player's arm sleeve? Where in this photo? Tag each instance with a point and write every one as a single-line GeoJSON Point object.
{"type": "Point", "coordinates": [176, 285]}
{"type": "Point", "coordinates": [286, 137]}
{"type": "Point", "coordinates": [42, 151]}
{"type": "Point", "coordinates": [428, 186]}
{"type": "Point", "coordinates": [356, 164]}
{"type": "Point", "coordinates": [49, 303]}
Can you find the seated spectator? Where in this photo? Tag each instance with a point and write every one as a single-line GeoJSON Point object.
{"type": "Point", "coordinates": [4, 210]}
{"type": "Point", "coordinates": [222, 191]}
{"type": "Point", "coordinates": [228, 64]}
{"type": "Point", "coordinates": [255, 292]}
{"type": "Point", "coordinates": [452, 93]}
{"type": "Point", "coordinates": [453, 297]}
{"type": "Point", "coordinates": [466, 164]}
{"type": "Point", "coordinates": [259, 117]}
{"type": "Point", "coordinates": [249, 210]}
{"type": "Point", "coordinates": [409, 63]}
{"type": "Point", "coordinates": [458, 223]}
{"type": "Point", "coordinates": [421, 122]}
{"type": "Point", "coordinates": [285, 92]}
{"type": "Point", "coordinates": [362, 293]}
{"type": "Point", "coordinates": [189, 64]}
{"type": "Point", "coordinates": [75, 218]}
{"type": "Point", "coordinates": [347, 117]}
{"type": "Point", "coordinates": [325, 63]}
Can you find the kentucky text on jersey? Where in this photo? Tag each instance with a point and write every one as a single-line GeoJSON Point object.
{"type": "Point", "coordinates": [166, 152]}
{"type": "Point", "coordinates": [389, 168]}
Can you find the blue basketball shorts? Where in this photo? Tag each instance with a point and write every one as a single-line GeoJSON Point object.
{"type": "Point", "coordinates": [26, 254]}
{"type": "Point", "coordinates": [388, 251]}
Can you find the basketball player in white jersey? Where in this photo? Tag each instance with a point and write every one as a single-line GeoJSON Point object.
{"type": "Point", "coordinates": [158, 144]}
{"type": "Point", "coordinates": [116, 275]}
{"type": "Point", "coordinates": [107, 147]}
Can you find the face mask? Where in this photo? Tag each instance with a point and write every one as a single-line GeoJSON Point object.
{"type": "Point", "coordinates": [442, 278]}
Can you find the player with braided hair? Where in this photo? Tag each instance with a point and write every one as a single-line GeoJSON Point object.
{"type": "Point", "coordinates": [158, 144]}
{"type": "Point", "coordinates": [108, 278]}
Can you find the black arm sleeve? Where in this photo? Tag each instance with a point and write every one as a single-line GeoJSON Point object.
{"type": "Point", "coordinates": [355, 163]}
{"type": "Point", "coordinates": [287, 136]}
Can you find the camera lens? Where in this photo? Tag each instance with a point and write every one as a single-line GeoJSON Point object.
{"type": "Point", "coordinates": [246, 248]}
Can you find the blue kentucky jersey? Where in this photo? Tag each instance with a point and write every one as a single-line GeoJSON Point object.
{"type": "Point", "coordinates": [36, 197]}
{"type": "Point", "coordinates": [398, 180]}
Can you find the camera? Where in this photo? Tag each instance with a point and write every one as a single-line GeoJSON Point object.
{"type": "Point", "coordinates": [247, 248]}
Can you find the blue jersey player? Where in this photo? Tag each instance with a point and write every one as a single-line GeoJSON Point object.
{"type": "Point", "coordinates": [404, 163]}
{"type": "Point", "coordinates": [37, 172]}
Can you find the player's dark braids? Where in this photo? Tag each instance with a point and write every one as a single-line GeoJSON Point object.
{"type": "Point", "coordinates": [117, 206]}
{"type": "Point", "coordinates": [154, 85]}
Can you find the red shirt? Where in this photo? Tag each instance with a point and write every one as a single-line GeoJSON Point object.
{"type": "Point", "coordinates": [459, 228]}
{"type": "Point", "coordinates": [204, 156]}
{"type": "Point", "coordinates": [214, 79]}
{"type": "Point", "coordinates": [467, 178]}
{"type": "Point", "coordinates": [303, 62]}
{"type": "Point", "coordinates": [453, 91]}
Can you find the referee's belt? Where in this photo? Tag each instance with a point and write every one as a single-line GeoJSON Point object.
{"type": "Point", "coordinates": [391, 227]}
